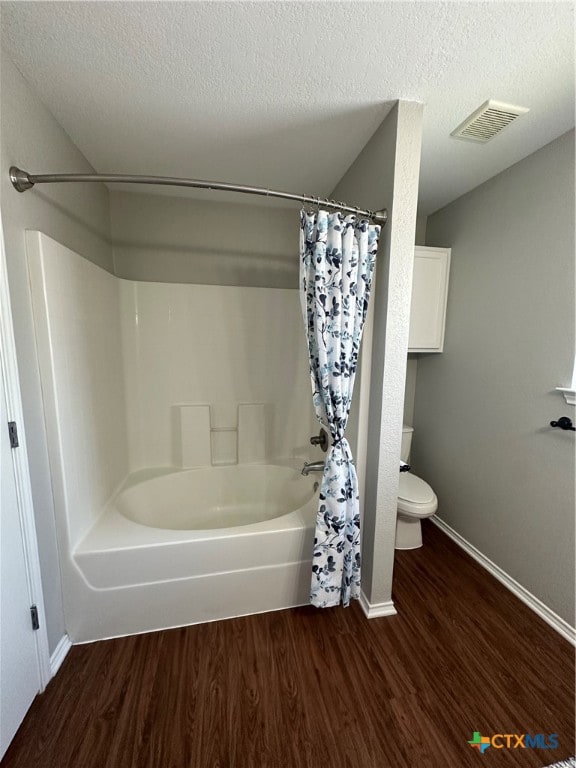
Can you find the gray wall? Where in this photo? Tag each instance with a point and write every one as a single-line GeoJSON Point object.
{"type": "Point", "coordinates": [412, 364]}
{"type": "Point", "coordinates": [75, 215]}
{"type": "Point", "coordinates": [167, 238]}
{"type": "Point", "coordinates": [176, 239]}
{"type": "Point", "coordinates": [385, 174]}
{"type": "Point", "coordinates": [410, 389]}
{"type": "Point", "coordinates": [421, 223]}
{"type": "Point", "coordinates": [504, 478]}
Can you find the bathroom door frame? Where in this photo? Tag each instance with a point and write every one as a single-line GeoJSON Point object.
{"type": "Point", "coordinates": [12, 393]}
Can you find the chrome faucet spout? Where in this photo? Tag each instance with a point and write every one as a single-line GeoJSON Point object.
{"type": "Point", "coordinates": [313, 466]}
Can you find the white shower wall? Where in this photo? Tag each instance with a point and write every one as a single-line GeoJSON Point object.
{"type": "Point", "coordinates": [78, 338]}
{"type": "Point", "coordinates": [218, 346]}
{"type": "Point", "coordinates": [117, 358]}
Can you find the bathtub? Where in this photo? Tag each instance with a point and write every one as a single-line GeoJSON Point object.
{"type": "Point", "coordinates": [180, 547]}
{"type": "Point", "coordinates": [216, 497]}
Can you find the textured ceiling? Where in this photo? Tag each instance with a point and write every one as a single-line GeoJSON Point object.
{"type": "Point", "coordinates": [286, 94]}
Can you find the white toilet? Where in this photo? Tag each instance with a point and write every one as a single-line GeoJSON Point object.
{"type": "Point", "coordinates": [416, 501]}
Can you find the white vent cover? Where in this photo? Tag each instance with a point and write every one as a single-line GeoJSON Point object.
{"type": "Point", "coordinates": [488, 120]}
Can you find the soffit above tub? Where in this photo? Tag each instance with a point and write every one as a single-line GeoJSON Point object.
{"type": "Point", "coordinates": [286, 94]}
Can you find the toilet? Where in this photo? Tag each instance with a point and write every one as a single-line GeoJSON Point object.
{"type": "Point", "coordinates": [416, 501]}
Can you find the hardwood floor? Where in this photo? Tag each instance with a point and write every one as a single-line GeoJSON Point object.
{"type": "Point", "coordinates": [306, 687]}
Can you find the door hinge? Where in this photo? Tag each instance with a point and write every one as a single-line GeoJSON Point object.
{"type": "Point", "coordinates": [34, 617]}
{"type": "Point", "coordinates": [13, 433]}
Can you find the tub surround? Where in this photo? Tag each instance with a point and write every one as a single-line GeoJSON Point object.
{"type": "Point", "coordinates": [196, 443]}
{"type": "Point", "coordinates": [191, 435]}
{"type": "Point", "coordinates": [78, 338]}
{"type": "Point", "coordinates": [213, 363]}
{"type": "Point", "coordinates": [252, 433]}
{"type": "Point", "coordinates": [140, 381]}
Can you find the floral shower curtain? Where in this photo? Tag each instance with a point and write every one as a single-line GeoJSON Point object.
{"type": "Point", "coordinates": [337, 257]}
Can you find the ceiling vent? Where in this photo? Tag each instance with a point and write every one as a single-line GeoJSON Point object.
{"type": "Point", "coordinates": [488, 120]}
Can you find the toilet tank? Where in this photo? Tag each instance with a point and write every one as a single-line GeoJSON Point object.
{"type": "Point", "coordinates": [406, 443]}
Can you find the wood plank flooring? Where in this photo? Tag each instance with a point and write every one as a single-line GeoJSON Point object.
{"type": "Point", "coordinates": [305, 687]}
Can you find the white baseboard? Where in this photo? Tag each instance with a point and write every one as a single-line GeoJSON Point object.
{"type": "Point", "coordinates": [556, 622]}
{"type": "Point", "coordinates": [375, 610]}
{"type": "Point", "coordinates": [60, 653]}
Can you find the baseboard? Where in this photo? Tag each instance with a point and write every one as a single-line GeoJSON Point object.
{"type": "Point", "coordinates": [375, 610]}
{"type": "Point", "coordinates": [60, 653]}
{"type": "Point", "coordinates": [556, 622]}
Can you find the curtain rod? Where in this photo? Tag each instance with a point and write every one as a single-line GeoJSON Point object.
{"type": "Point", "coordinates": [22, 180]}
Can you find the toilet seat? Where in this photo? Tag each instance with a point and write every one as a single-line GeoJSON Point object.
{"type": "Point", "coordinates": [415, 497]}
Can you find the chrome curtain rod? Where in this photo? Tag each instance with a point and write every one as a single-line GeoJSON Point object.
{"type": "Point", "coordinates": [22, 180]}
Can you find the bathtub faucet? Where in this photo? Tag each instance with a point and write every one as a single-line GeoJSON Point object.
{"type": "Point", "coordinates": [313, 466]}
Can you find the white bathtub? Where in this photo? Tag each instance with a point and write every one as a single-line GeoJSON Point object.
{"type": "Point", "coordinates": [216, 497]}
{"type": "Point", "coordinates": [198, 545]}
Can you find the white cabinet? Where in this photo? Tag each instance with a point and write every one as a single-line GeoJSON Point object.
{"type": "Point", "coordinates": [429, 296]}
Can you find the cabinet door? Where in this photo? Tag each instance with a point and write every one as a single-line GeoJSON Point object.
{"type": "Point", "coordinates": [429, 295]}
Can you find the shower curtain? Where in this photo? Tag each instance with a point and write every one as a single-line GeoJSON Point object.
{"type": "Point", "coordinates": [337, 257]}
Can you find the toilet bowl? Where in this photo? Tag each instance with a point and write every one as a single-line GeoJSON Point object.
{"type": "Point", "coordinates": [416, 501]}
